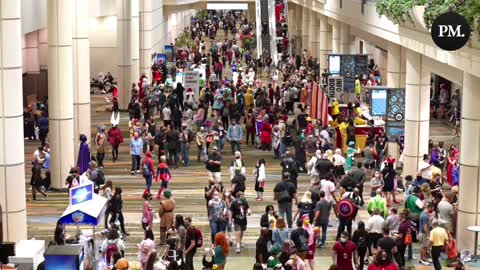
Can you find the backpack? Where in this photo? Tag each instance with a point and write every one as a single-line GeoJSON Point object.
{"type": "Point", "coordinates": [362, 242]}
{"type": "Point", "coordinates": [100, 180]}
{"type": "Point", "coordinates": [111, 249]}
{"type": "Point", "coordinates": [198, 237]}
{"type": "Point", "coordinates": [408, 238]}
{"type": "Point", "coordinates": [146, 172]}
{"type": "Point", "coordinates": [306, 209]}
{"type": "Point", "coordinates": [225, 112]}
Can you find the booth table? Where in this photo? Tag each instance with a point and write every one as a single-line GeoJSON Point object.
{"type": "Point", "coordinates": [361, 134]}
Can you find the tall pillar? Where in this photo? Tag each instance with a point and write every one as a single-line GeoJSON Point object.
{"type": "Point", "coordinates": [417, 113]}
{"type": "Point", "coordinates": [12, 170]}
{"type": "Point", "coordinates": [469, 203]}
{"type": "Point", "coordinates": [395, 66]}
{"type": "Point", "coordinates": [135, 40]}
{"type": "Point", "coordinates": [124, 52]}
{"type": "Point", "coordinates": [292, 20]}
{"type": "Point", "coordinates": [31, 53]}
{"type": "Point", "coordinates": [60, 89]}
{"type": "Point", "coordinates": [299, 18]}
{"type": "Point", "coordinates": [251, 14]}
{"type": "Point", "coordinates": [43, 48]}
{"type": "Point", "coordinates": [345, 38]}
{"type": "Point", "coordinates": [316, 35]}
{"type": "Point", "coordinates": [81, 72]}
{"type": "Point", "coordinates": [311, 32]}
{"type": "Point", "coordinates": [145, 36]}
{"type": "Point", "coordinates": [323, 48]}
{"type": "Point", "coordinates": [305, 31]}
{"type": "Point", "coordinates": [336, 28]}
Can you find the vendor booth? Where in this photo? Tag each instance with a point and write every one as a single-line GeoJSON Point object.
{"type": "Point", "coordinates": [86, 208]}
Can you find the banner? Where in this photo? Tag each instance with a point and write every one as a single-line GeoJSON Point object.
{"type": "Point", "coordinates": [190, 80]}
{"type": "Point", "coordinates": [319, 107]}
{"type": "Point", "coordinates": [334, 87]}
{"type": "Point", "coordinates": [168, 50]}
{"type": "Point", "coordinates": [161, 57]}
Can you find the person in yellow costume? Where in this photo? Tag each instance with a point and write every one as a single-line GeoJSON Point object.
{"type": "Point", "coordinates": [359, 121]}
{"type": "Point", "coordinates": [358, 87]}
{"type": "Point", "coordinates": [248, 98]}
{"type": "Point", "coordinates": [335, 108]}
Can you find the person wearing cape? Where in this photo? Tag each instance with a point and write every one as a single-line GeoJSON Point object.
{"type": "Point", "coordinates": [83, 155]}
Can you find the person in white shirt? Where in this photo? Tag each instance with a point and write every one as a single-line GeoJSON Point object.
{"type": "Point", "coordinates": [338, 163]}
{"type": "Point", "coordinates": [374, 227]}
{"type": "Point", "coordinates": [167, 115]}
{"type": "Point", "coordinates": [311, 170]}
{"type": "Point", "coordinates": [425, 168]}
{"type": "Point", "coordinates": [329, 188]}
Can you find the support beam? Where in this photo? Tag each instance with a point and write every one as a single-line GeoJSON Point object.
{"type": "Point", "coordinates": [469, 201]}
{"type": "Point", "coordinates": [135, 38]}
{"type": "Point", "coordinates": [145, 36]}
{"type": "Point", "coordinates": [417, 112]}
{"type": "Point", "coordinates": [395, 66]}
{"type": "Point", "coordinates": [81, 72]}
{"type": "Point", "coordinates": [345, 38]}
{"type": "Point", "coordinates": [323, 48]}
{"type": "Point", "coordinates": [12, 167]}
{"type": "Point", "coordinates": [336, 28]}
{"type": "Point", "coordinates": [124, 52]}
{"type": "Point", "coordinates": [60, 89]}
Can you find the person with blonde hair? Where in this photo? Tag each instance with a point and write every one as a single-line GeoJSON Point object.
{"type": "Point", "coordinates": [305, 206]}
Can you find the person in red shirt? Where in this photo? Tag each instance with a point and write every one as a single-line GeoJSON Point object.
{"type": "Point", "coordinates": [148, 170]}
{"type": "Point", "coordinates": [343, 252]}
{"type": "Point", "coordinates": [383, 262]}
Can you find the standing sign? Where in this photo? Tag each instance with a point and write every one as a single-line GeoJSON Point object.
{"type": "Point", "coordinates": [334, 87]}
{"type": "Point", "coordinates": [81, 194]}
{"type": "Point", "coordinates": [190, 80]}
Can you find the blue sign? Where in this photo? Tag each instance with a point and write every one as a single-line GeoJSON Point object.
{"type": "Point", "coordinates": [379, 102]}
{"type": "Point", "coordinates": [161, 57]}
{"type": "Point", "coordinates": [81, 194]}
{"type": "Point", "coordinates": [168, 48]}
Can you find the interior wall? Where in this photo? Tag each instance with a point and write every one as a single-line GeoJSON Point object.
{"type": "Point", "coordinates": [103, 43]}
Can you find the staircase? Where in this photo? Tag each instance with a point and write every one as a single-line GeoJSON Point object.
{"type": "Point", "coordinates": [264, 19]}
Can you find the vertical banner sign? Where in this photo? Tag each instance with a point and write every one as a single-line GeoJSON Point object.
{"type": "Point", "coordinates": [190, 80]}
{"type": "Point", "coordinates": [334, 87]}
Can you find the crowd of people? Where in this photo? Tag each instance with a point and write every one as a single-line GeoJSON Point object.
{"type": "Point", "coordinates": [236, 104]}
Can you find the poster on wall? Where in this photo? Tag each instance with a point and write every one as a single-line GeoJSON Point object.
{"type": "Point", "coordinates": [348, 66]}
{"type": "Point", "coordinates": [190, 80]}
{"type": "Point", "coordinates": [161, 58]}
{"type": "Point", "coordinates": [334, 64]}
{"type": "Point", "coordinates": [379, 102]}
{"type": "Point", "coordinates": [168, 50]}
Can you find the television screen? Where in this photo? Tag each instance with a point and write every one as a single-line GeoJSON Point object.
{"type": "Point", "coordinates": [81, 194]}
{"type": "Point", "coordinates": [379, 102]}
{"type": "Point", "coordinates": [61, 262]}
{"type": "Point", "coordinates": [334, 64]}
{"type": "Point", "coordinates": [6, 250]}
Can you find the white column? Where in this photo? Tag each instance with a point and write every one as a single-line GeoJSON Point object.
{"type": "Point", "coordinates": [305, 24]}
{"type": "Point", "coordinates": [12, 170]}
{"type": "Point", "coordinates": [469, 203]}
{"type": "Point", "coordinates": [316, 35]}
{"type": "Point", "coordinates": [43, 48]}
{"type": "Point", "coordinates": [336, 28]}
{"type": "Point", "coordinates": [311, 32]}
{"type": "Point", "coordinates": [251, 12]}
{"type": "Point", "coordinates": [145, 36]}
{"type": "Point", "coordinates": [396, 65]}
{"type": "Point", "coordinates": [81, 72]}
{"type": "Point", "coordinates": [60, 89]}
{"type": "Point", "coordinates": [124, 53]}
{"type": "Point", "coordinates": [135, 41]}
{"type": "Point", "coordinates": [299, 20]}
{"type": "Point", "coordinates": [323, 48]}
{"type": "Point", "coordinates": [345, 38]}
{"type": "Point", "coordinates": [292, 20]}
{"type": "Point", "coordinates": [417, 110]}
{"type": "Point", "coordinates": [31, 53]}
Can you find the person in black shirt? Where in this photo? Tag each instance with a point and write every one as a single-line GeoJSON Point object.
{"type": "Point", "coordinates": [299, 236]}
{"type": "Point", "coordinates": [261, 251]}
{"type": "Point", "coordinates": [238, 183]}
{"type": "Point", "coordinates": [358, 176]}
{"type": "Point", "coordinates": [360, 237]}
{"type": "Point", "coordinates": [284, 192]}
{"type": "Point", "coordinates": [190, 244]}
{"type": "Point", "coordinates": [240, 209]}
{"type": "Point", "coordinates": [115, 206]}
{"type": "Point", "coordinates": [387, 243]}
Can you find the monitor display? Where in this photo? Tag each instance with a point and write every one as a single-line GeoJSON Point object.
{"type": "Point", "coordinates": [334, 64]}
{"type": "Point", "coordinates": [81, 194]}
{"type": "Point", "coordinates": [379, 102]}
{"type": "Point", "coordinates": [61, 262]}
{"type": "Point", "coordinates": [6, 250]}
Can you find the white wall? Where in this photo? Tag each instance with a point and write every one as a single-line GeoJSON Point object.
{"type": "Point", "coordinates": [103, 43]}
{"type": "Point", "coordinates": [34, 15]}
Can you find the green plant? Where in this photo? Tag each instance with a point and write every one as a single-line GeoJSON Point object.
{"type": "Point", "coordinates": [202, 14]}
{"type": "Point", "coordinates": [249, 43]}
{"type": "Point", "coordinates": [184, 40]}
{"type": "Point", "coordinates": [397, 11]}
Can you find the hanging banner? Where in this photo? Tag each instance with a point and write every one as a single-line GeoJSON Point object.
{"type": "Point", "coordinates": [334, 87]}
{"type": "Point", "coordinates": [190, 80]}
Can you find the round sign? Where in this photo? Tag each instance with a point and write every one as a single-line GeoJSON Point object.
{"type": "Point", "coordinates": [450, 31]}
{"type": "Point", "coordinates": [399, 117]}
{"type": "Point", "coordinates": [345, 208]}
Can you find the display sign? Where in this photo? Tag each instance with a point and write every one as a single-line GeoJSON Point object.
{"type": "Point", "coordinates": [334, 64]}
{"type": "Point", "coordinates": [334, 87]}
{"type": "Point", "coordinates": [64, 257]}
{"type": "Point", "coordinates": [379, 102]}
{"type": "Point", "coordinates": [190, 80]}
{"type": "Point", "coordinates": [81, 194]}
{"type": "Point", "coordinates": [168, 50]}
{"type": "Point", "coordinates": [161, 58]}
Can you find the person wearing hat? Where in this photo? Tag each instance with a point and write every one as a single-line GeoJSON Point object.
{"type": "Point", "coordinates": [165, 212]}
{"type": "Point", "coordinates": [83, 154]}
{"type": "Point", "coordinates": [122, 264]}
{"type": "Point", "coordinates": [213, 165]}
{"type": "Point", "coordinates": [311, 166]}
{"type": "Point", "coordinates": [115, 138]}
{"type": "Point", "coordinates": [73, 179]}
